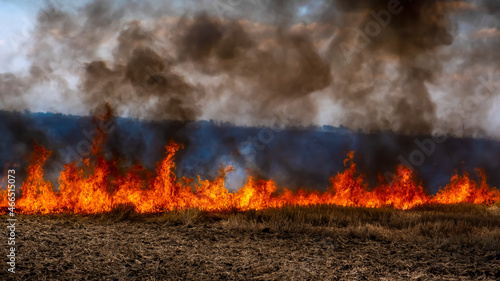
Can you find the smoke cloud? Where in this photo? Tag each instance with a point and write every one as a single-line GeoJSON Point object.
{"type": "Point", "coordinates": [386, 65]}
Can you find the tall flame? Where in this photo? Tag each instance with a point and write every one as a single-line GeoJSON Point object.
{"type": "Point", "coordinates": [96, 186]}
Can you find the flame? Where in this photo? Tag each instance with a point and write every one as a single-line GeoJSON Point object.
{"type": "Point", "coordinates": [96, 186]}
{"type": "Point", "coordinates": [38, 194]}
{"type": "Point", "coordinates": [463, 189]}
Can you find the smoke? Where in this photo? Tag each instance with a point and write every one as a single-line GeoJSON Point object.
{"type": "Point", "coordinates": [285, 68]}
{"type": "Point", "coordinates": [380, 63]}
{"type": "Point", "coordinates": [395, 42]}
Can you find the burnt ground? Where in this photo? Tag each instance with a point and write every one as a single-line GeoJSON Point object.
{"type": "Point", "coordinates": [340, 244]}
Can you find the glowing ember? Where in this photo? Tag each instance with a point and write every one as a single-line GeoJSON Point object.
{"type": "Point", "coordinates": [97, 187]}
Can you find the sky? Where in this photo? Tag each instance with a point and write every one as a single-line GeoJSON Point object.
{"type": "Point", "coordinates": [430, 68]}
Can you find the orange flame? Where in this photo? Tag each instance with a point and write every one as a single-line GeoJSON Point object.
{"type": "Point", "coordinates": [97, 187]}
{"type": "Point", "coordinates": [463, 189]}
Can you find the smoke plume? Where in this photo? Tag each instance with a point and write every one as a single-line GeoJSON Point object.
{"type": "Point", "coordinates": [383, 65]}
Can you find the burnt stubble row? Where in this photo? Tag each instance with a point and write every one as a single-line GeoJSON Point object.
{"type": "Point", "coordinates": [441, 242]}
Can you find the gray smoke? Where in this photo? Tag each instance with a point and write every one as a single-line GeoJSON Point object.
{"type": "Point", "coordinates": [272, 62]}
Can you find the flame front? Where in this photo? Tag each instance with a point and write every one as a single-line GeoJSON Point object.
{"type": "Point", "coordinates": [97, 186]}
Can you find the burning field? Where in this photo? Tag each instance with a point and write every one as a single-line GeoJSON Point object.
{"type": "Point", "coordinates": [98, 187]}
{"type": "Point", "coordinates": [234, 139]}
{"type": "Point", "coordinates": [139, 224]}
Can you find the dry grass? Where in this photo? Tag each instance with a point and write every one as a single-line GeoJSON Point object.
{"type": "Point", "coordinates": [448, 242]}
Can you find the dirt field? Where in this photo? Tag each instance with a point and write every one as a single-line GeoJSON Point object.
{"type": "Point", "coordinates": [324, 242]}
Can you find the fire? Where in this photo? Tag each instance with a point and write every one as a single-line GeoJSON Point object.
{"type": "Point", "coordinates": [463, 189]}
{"type": "Point", "coordinates": [96, 186]}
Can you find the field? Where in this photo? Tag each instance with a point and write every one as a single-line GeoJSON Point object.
{"type": "Point", "coordinates": [439, 242]}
